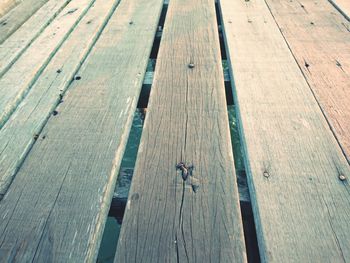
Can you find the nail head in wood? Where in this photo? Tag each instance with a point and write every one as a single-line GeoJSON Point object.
{"type": "Point", "coordinates": [342, 177]}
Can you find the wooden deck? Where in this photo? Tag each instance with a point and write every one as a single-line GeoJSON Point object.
{"type": "Point", "coordinates": [72, 74]}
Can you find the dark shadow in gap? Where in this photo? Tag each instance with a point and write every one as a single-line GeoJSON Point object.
{"type": "Point", "coordinates": [244, 197]}
{"type": "Point", "coordinates": [112, 228]}
{"type": "Point", "coordinates": [246, 208]}
{"type": "Point", "coordinates": [156, 43]}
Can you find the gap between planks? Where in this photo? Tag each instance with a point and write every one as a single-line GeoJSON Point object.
{"type": "Point", "coordinates": [324, 60]}
{"type": "Point", "coordinates": [297, 174]}
{"type": "Point", "coordinates": [172, 215]}
{"type": "Point", "coordinates": [18, 80]}
{"type": "Point", "coordinates": [343, 6]}
{"type": "Point", "coordinates": [10, 22]}
{"type": "Point", "coordinates": [15, 45]}
{"type": "Point", "coordinates": [79, 160]}
{"type": "Point", "coordinates": [24, 126]}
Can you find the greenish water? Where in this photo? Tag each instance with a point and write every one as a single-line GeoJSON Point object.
{"type": "Point", "coordinates": [235, 139]}
{"type": "Point", "coordinates": [112, 228]}
{"type": "Point", "coordinates": [109, 241]}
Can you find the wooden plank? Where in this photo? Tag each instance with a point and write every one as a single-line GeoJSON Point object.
{"type": "Point", "coordinates": [167, 218]}
{"type": "Point", "coordinates": [19, 41]}
{"type": "Point", "coordinates": [10, 22]}
{"type": "Point", "coordinates": [17, 81]}
{"type": "Point", "coordinates": [7, 5]}
{"type": "Point", "coordinates": [57, 205]}
{"type": "Point", "coordinates": [297, 173]}
{"type": "Point", "coordinates": [150, 74]}
{"type": "Point", "coordinates": [19, 133]}
{"type": "Point", "coordinates": [343, 6]}
{"type": "Point", "coordinates": [325, 61]}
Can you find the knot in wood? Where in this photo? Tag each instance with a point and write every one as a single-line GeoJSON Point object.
{"type": "Point", "coordinates": [186, 170]}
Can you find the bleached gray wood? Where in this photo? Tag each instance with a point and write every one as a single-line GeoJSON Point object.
{"type": "Point", "coordinates": [20, 131]}
{"type": "Point", "coordinates": [18, 80]}
{"type": "Point", "coordinates": [168, 219]}
{"type": "Point", "coordinates": [56, 207]}
{"type": "Point", "coordinates": [10, 22]}
{"type": "Point", "coordinates": [297, 174]}
{"type": "Point", "coordinates": [150, 74]}
{"type": "Point", "coordinates": [17, 43]}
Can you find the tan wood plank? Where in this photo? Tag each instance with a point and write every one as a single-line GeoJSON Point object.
{"type": "Point", "coordinates": [56, 207]}
{"type": "Point", "coordinates": [343, 6]}
{"type": "Point", "coordinates": [18, 80]}
{"type": "Point", "coordinates": [169, 219]}
{"type": "Point", "coordinates": [10, 22]}
{"type": "Point", "coordinates": [21, 130]}
{"type": "Point", "coordinates": [19, 41]}
{"type": "Point", "coordinates": [297, 173]}
{"type": "Point", "coordinates": [319, 39]}
{"type": "Point", "coordinates": [7, 5]}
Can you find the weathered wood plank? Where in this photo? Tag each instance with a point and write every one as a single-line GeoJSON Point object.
{"type": "Point", "coordinates": [18, 80]}
{"type": "Point", "coordinates": [343, 6]}
{"type": "Point", "coordinates": [319, 39]}
{"type": "Point", "coordinates": [10, 22]}
{"type": "Point", "coordinates": [7, 5]}
{"type": "Point", "coordinates": [167, 218]}
{"type": "Point", "coordinates": [17, 43]}
{"type": "Point", "coordinates": [150, 74]}
{"type": "Point", "coordinates": [21, 130]}
{"type": "Point", "coordinates": [298, 176]}
{"type": "Point", "coordinates": [57, 205]}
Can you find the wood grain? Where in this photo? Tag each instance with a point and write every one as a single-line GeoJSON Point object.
{"type": "Point", "coordinates": [7, 5]}
{"type": "Point", "coordinates": [297, 173]}
{"type": "Point", "coordinates": [19, 41]}
{"type": "Point", "coordinates": [56, 207]}
{"type": "Point", "coordinates": [17, 81]}
{"type": "Point", "coordinates": [169, 219]}
{"type": "Point", "coordinates": [21, 130]}
{"type": "Point", "coordinates": [10, 22]}
{"type": "Point", "coordinates": [343, 6]}
{"type": "Point", "coordinates": [319, 38]}
{"type": "Point", "coordinates": [150, 74]}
